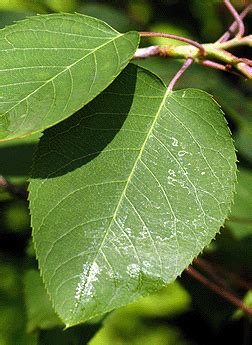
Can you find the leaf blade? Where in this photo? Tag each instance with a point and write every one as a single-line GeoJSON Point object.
{"type": "Point", "coordinates": [52, 65]}
{"type": "Point", "coordinates": [143, 209]}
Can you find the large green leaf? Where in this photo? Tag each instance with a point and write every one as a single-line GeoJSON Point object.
{"type": "Point", "coordinates": [127, 192]}
{"type": "Point", "coordinates": [52, 65]}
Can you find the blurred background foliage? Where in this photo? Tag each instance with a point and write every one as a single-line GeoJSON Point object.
{"type": "Point", "coordinates": [186, 312]}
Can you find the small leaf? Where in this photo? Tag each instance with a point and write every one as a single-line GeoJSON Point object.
{"type": "Point", "coordinates": [51, 65]}
{"type": "Point", "coordinates": [127, 192]}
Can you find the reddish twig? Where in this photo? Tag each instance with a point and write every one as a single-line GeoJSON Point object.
{"type": "Point", "coordinates": [175, 37]}
{"type": "Point", "coordinates": [226, 294]}
{"type": "Point", "coordinates": [234, 26]}
{"type": "Point", "coordinates": [246, 61]}
{"type": "Point", "coordinates": [238, 19]}
{"type": "Point", "coordinates": [218, 66]}
{"type": "Point", "coordinates": [215, 271]}
{"type": "Point", "coordinates": [215, 65]}
{"type": "Point", "coordinates": [212, 271]}
{"type": "Point", "coordinates": [182, 70]}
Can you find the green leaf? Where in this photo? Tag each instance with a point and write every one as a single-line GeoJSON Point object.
{"type": "Point", "coordinates": [127, 192]}
{"type": "Point", "coordinates": [51, 65]}
{"type": "Point", "coordinates": [40, 313]}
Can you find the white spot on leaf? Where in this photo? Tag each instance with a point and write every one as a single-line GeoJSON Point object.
{"type": "Point", "coordinates": [88, 276]}
{"type": "Point", "coordinates": [172, 172]}
{"type": "Point", "coordinates": [174, 142]}
{"type": "Point", "coordinates": [182, 153]}
{"type": "Point", "coordinates": [133, 270]}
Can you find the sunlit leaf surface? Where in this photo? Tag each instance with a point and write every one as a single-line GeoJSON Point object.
{"type": "Point", "coordinates": [127, 192]}
{"type": "Point", "coordinates": [51, 65]}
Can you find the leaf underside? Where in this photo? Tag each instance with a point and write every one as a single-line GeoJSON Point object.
{"type": "Point", "coordinates": [127, 192]}
{"type": "Point", "coordinates": [51, 65]}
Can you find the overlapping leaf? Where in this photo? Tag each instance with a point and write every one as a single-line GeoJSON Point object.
{"type": "Point", "coordinates": [50, 66]}
{"type": "Point", "coordinates": [127, 192]}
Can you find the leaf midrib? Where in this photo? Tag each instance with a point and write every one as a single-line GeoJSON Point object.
{"type": "Point", "coordinates": [123, 194]}
{"type": "Point", "coordinates": [58, 74]}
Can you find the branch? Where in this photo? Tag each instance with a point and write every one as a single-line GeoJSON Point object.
{"type": "Point", "coordinates": [237, 18]}
{"type": "Point", "coordinates": [234, 26]}
{"type": "Point", "coordinates": [211, 271]}
{"type": "Point", "coordinates": [177, 76]}
{"type": "Point", "coordinates": [217, 272]}
{"type": "Point", "coordinates": [214, 55]}
{"type": "Point", "coordinates": [227, 295]}
{"type": "Point", "coordinates": [175, 37]}
{"type": "Point", "coordinates": [222, 59]}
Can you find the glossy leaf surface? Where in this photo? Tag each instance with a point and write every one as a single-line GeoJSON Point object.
{"type": "Point", "coordinates": [52, 65]}
{"type": "Point", "coordinates": [127, 192]}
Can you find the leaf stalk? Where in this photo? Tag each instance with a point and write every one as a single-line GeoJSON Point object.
{"type": "Point", "coordinates": [214, 55]}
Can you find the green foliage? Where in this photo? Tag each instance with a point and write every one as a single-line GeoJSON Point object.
{"type": "Point", "coordinates": [129, 182]}
{"type": "Point", "coordinates": [52, 65]}
{"type": "Point", "coordinates": [120, 183]}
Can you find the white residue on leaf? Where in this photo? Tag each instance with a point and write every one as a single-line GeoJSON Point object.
{"type": "Point", "coordinates": [171, 180]}
{"type": "Point", "coordinates": [133, 270]}
{"type": "Point", "coordinates": [128, 231]}
{"type": "Point", "coordinates": [162, 239]}
{"type": "Point", "coordinates": [203, 173]}
{"type": "Point", "coordinates": [146, 264]}
{"type": "Point", "coordinates": [113, 275]}
{"type": "Point", "coordinates": [172, 172]}
{"type": "Point", "coordinates": [85, 288]}
{"type": "Point", "coordinates": [182, 153]}
{"type": "Point", "coordinates": [147, 267]}
{"type": "Point", "coordinates": [143, 234]}
{"type": "Point", "coordinates": [174, 142]}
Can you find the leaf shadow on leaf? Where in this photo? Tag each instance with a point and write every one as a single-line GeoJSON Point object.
{"type": "Point", "coordinates": [78, 140]}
